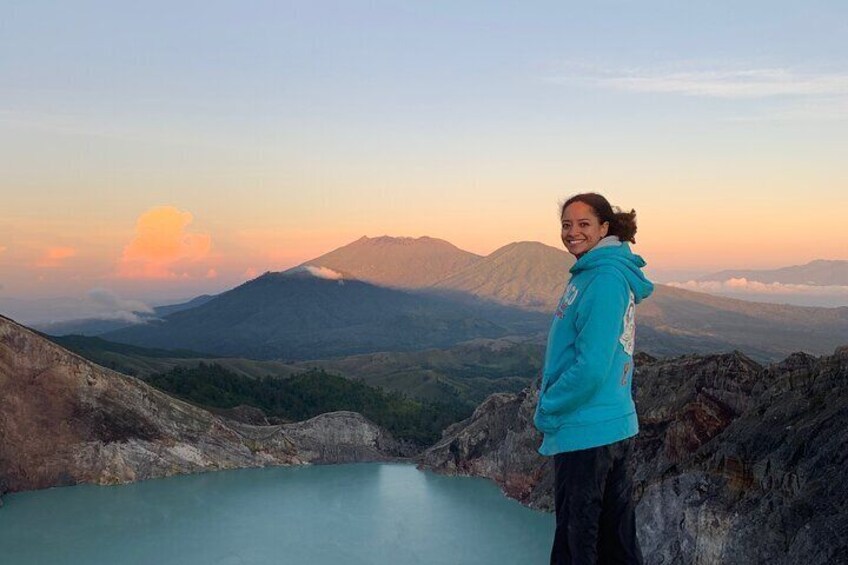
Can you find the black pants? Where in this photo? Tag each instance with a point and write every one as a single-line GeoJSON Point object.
{"type": "Point", "coordinates": [595, 514]}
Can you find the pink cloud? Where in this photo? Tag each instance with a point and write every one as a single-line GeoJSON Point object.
{"type": "Point", "coordinates": [163, 248]}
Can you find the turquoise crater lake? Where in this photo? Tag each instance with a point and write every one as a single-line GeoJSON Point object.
{"type": "Point", "coordinates": [369, 514]}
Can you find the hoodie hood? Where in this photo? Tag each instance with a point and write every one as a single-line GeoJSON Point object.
{"type": "Point", "coordinates": [610, 252]}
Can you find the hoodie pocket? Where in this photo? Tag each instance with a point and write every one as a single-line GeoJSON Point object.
{"type": "Point", "coordinates": [546, 423]}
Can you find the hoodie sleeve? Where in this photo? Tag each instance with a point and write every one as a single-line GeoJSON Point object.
{"type": "Point", "coordinates": [600, 312]}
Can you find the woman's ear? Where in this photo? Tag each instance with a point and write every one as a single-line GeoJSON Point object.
{"type": "Point", "coordinates": [604, 229]}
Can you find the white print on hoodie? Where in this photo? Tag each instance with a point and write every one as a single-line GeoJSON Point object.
{"type": "Point", "coordinates": [628, 336]}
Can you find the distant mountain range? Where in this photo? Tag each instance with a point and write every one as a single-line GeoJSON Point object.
{"type": "Point", "coordinates": [816, 273]}
{"type": "Point", "coordinates": [674, 321]}
{"type": "Point", "coordinates": [527, 274]}
{"type": "Point", "coordinates": [434, 295]}
{"type": "Point", "coordinates": [297, 315]}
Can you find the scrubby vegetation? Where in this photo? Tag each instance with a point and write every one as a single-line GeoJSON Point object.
{"type": "Point", "coordinates": [308, 394]}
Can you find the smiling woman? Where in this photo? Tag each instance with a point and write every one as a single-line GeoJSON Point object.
{"type": "Point", "coordinates": [586, 410]}
{"type": "Point", "coordinates": [588, 218]}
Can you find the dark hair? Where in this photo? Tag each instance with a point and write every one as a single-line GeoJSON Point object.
{"type": "Point", "coordinates": [621, 224]}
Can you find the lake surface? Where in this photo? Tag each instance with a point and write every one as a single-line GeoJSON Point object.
{"type": "Point", "coordinates": [369, 514]}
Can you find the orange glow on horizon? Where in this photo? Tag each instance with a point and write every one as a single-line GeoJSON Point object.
{"type": "Point", "coordinates": [55, 257]}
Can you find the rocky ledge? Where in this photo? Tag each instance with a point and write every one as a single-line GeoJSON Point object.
{"type": "Point", "coordinates": [65, 420]}
{"type": "Point", "coordinates": [735, 462]}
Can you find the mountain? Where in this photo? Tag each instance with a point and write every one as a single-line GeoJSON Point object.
{"type": "Point", "coordinates": [735, 462]}
{"type": "Point", "coordinates": [64, 420]}
{"type": "Point", "coordinates": [162, 311]}
{"type": "Point", "coordinates": [296, 315]}
{"type": "Point", "coordinates": [402, 262]}
{"type": "Point", "coordinates": [816, 273]}
{"type": "Point", "coordinates": [527, 274]}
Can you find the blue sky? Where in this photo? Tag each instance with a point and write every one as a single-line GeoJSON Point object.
{"type": "Point", "coordinates": [287, 129]}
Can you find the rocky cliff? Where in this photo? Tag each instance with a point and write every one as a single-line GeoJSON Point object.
{"type": "Point", "coordinates": [64, 420]}
{"type": "Point", "coordinates": [735, 462]}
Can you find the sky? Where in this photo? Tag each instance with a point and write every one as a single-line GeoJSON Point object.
{"type": "Point", "coordinates": [155, 151]}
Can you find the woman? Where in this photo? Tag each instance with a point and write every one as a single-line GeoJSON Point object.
{"type": "Point", "coordinates": [586, 409]}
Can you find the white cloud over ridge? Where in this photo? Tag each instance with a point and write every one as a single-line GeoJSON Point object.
{"type": "Point", "coordinates": [745, 286]}
{"type": "Point", "coordinates": [321, 272]}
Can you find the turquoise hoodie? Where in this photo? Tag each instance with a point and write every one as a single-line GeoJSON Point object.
{"type": "Point", "coordinates": [585, 399]}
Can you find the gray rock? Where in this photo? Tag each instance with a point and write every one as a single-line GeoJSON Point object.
{"type": "Point", "coordinates": [498, 442]}
{"type": "Point", "coordinates": [64, 420]}
{"type": "Point", "coordinates": [734, 463]}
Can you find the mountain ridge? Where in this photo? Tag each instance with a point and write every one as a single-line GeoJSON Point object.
{"type": "Point", "coordinates": [296, 316]}
{"type": "Point", "coordinates": [388, 261]}
{"type": "Point", "coordinates": [520, 276]}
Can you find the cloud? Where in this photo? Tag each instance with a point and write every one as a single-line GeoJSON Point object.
{"type": "Point", "coordinates": [251, 273]}
{"type": "Point", "coordinates": [753, 83]}
{"type": "Point", "coordinates": [717, 83]}
{"type": "Point", "coordinates": [107, 305]}
{"type": "Point", "coordinates": [163, 248]}
{"type": "Point", "coordinates": [794, 94]}
{"type": "Point", "coordinates": [55, 257]}
{"type": "Point", "coordinates": [2, 249]}
{"type": "Point", "coordinates": [745, 286]}
{"type": "Point", "coordinates": [212, 274]}
{"type": "Point", "coordinates": [320, 272]}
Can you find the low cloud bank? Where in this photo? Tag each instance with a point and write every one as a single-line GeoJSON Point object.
{"type": "Point", "coordinates": [109, 306]}
{"type": "Point", "coordinates": [776, 289]}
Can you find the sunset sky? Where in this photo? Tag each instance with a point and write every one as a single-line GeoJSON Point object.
{"type": "Point", "coordinates": [157, 150]}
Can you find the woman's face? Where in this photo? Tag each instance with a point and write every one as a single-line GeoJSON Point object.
{"type": "Point", "coordinates": [581, 228]}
